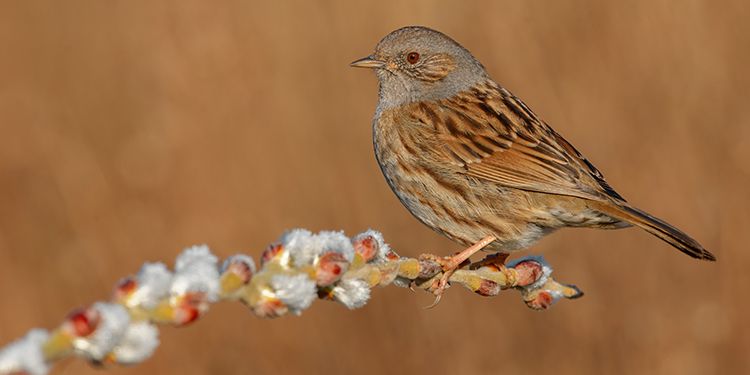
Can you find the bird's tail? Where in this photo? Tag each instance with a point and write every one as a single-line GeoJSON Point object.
{"type": "Point", "coordinates": [658, 228]}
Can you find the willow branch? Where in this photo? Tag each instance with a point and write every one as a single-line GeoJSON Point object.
{"type": "Point", "coordinates": [295, 271]}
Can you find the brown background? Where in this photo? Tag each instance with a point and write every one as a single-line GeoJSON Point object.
{"type": "Point", "coordinates": [133, 129]}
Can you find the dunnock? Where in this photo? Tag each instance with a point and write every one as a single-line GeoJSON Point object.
{"type": "Point", "coordinates": [473, 162]}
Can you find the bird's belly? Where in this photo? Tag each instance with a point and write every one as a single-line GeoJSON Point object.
{"type": "Point", "coordinates": [464, 210]}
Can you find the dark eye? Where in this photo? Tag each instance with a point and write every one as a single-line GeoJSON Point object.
{"type": "Point", "coordinates": [412, 57]}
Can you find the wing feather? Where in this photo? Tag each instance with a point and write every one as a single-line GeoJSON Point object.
{"type": "Point", "coordinates": [498, 138]}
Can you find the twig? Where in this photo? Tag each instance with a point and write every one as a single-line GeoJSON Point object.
{"type": "Point", "coordinates": [300, 268]}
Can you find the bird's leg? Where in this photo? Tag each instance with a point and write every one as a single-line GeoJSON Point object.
{"type": "Point", "coordinates": [449, 266]}
{"type": "Point", "coordinates": [496, 260]}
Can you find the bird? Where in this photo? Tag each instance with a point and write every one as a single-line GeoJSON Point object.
{"type": "Point", "coordinates": [473, 162]}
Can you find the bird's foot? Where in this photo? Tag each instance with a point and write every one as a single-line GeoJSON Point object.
{"type": "Point", "coordinates": [449, 266]}
{"type": "Point", "coordinates": [495, 260]}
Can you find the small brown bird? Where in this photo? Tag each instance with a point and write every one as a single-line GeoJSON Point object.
{"type": "Point", "coordinates": [474, 163]}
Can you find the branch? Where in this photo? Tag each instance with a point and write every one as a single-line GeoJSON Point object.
{"type": "Point", "coordinates": [300, 268]}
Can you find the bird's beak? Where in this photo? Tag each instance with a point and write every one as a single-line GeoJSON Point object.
{"type": "Point", "coordinates": [368, 62]}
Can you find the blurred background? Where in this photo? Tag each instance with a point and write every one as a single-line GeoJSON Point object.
{"type": "Point", "coordinates": [131, 130]}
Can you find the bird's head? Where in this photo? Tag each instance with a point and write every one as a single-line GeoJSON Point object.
{"type": "Point", "coordinates": [417, 63]}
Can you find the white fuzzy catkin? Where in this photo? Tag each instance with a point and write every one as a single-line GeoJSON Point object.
{"type": "Point", "coordinates": [335, 241]}
{"type": "Point", "coordinates": [137, 344]}
{"type": "Point", "coordinates": [304, 247]}
{"type": "Point", "coordinates": [153, 282]}
{"type": "Point", "coordinates": [113, 322]}
{"type": "Point", "coordinates": [25, 355]}
{"type": "Point", "coordinates": [353, 293]}
{"type": "Point", "coordinates": [297, 243]}
{"type": "Point", "coordinates": [297, 292]}
{"type": "Point", "coordinates": [196, 270]}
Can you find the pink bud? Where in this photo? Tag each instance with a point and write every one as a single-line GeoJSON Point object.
{"type": "Point", "coordinates": [82, 322]}
{"type": "Point", "coordinates": [542, 301]}
{"type": "Point", "coordinates": [270, 252]}
{"type": "Point", "coordinates": [529, 272]}
{"type": "Point", "coordinates": [189, 308]}
{"type": "Point", "coordinates": [270, 308]}
{"type": "Point", "coordinates": [391, 256]}
{"type": "Point", "coordinates": [241, 269]}
{"type": "Point", "coordinates": [124, 288]}
{"type": "Point", "coordinates": [488, 288]}
{"type": "Point", "coordinates": [330, 267]}
{"type": "Point", "coordinates": [366, 246]}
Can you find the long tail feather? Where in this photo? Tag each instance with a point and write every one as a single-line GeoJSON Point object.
{"type": "Point", "coordinates": [661, 229]}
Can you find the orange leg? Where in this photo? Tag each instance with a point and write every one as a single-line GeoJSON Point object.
{"type": "Point", "coordinates": [450, 265]}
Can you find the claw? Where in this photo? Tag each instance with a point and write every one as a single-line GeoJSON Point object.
{"type": "Point", "coordinates": [435, 302]}
{"type": "Point", "coordinates": [450, 265]}
{"type": "Point", "coordinates": [439, 289]}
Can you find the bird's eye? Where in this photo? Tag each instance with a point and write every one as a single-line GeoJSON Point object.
{"type": "Point", "coordinates": [412, 58]}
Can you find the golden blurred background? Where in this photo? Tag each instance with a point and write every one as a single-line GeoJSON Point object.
{"type": "Point", "coordinates": [132, 129]}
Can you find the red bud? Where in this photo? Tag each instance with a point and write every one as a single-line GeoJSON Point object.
{"type": "Point", "coordinates": [330, 267]}
{"type": "Point", "coordinates": [366, 246]}
{"type": "Point", "coordinates": [270, 252]}
{"type": "Point", "coordinates": [528, 272]}
{"type": "Point", "coordinates": [83, 322]}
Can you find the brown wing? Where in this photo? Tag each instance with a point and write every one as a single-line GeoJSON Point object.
{"type": "Point", "coordinates": [497, 138]}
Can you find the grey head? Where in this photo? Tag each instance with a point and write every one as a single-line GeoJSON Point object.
{"type": "Point", "coordinates": [417, 63]}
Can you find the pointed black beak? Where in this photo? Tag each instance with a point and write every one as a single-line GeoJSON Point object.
{"type": "Point", "coordinates": [368, 62]}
